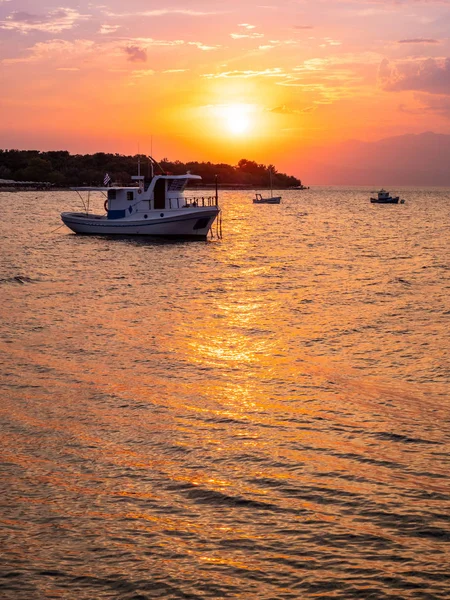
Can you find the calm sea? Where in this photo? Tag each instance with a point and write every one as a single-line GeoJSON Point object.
{"type": "Point", "coordinates": [265, 416]}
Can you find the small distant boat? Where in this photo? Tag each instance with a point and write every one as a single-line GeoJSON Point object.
{"type": "Point", "coordinates": [259, 199]}
{"type": "Point", "coordinates": [383, 197]}
{"type": "Point", "coordinates": [155, 207]}
{"type": "Point", "coordinates": [299, 187]}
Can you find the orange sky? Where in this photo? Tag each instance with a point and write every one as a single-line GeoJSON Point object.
{"type": "Point", "coordinates": [197, 80]}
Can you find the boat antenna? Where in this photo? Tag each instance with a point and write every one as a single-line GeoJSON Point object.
{"type": "Point", "coordinates": [157, 164]}
{"type": "Point", "coordinates": [139, 161]}
{"type": "Point", "coordinates": [150, 162]}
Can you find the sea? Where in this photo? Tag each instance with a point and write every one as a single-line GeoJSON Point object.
{"type": "Point", "coordinates": [264, 415]}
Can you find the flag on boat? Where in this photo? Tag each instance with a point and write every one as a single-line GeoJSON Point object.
{"type": "Point", "coordinates": [106, 179]}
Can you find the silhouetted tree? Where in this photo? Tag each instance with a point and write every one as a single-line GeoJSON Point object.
{"type": "Point", "coordinates": [65, 169]}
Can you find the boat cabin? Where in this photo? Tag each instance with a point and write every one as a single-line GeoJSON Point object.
{"type": "Point", "coordinates": [383, 194]}
{"type": "Point", "coordinates": [161, 192]}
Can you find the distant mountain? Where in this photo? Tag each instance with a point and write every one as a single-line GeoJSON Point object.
{"type": "Point", "coordinates": [422, 159]}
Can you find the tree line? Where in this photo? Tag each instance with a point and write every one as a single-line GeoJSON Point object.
{"type": "Point", "coordinates": [62, 169]}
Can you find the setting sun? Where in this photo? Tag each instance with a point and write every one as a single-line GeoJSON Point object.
{"type": "Point", "coordinates": [235, 118]}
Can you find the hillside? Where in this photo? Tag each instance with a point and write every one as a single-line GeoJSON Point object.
{"type": "Point", "coordinates": [415, 160]}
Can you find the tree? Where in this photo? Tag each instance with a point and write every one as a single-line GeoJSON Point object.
{"type": "Point", "coordinates": [62, 168]}
{"type": "Point", "coordinates": [38, 169]}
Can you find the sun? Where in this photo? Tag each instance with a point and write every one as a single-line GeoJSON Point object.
{"type": "Point", "coordinates": [236, 118]}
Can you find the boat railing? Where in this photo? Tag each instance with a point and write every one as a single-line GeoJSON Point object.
{"type": "Point", "coordinates": [192, 201]}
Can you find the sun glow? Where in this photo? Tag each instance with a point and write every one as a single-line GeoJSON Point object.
{"type": "Point", "coordinates": [235, 118]}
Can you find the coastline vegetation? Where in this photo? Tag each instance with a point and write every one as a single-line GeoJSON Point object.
{"type": "Point", "coordinates": [61, 169]}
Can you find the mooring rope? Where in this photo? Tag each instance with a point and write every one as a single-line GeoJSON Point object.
{"type": "Point", "coordinates": [53, 230]}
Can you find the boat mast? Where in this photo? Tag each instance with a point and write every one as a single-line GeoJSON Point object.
{"type": "Point", "coordinates": [151, 155]}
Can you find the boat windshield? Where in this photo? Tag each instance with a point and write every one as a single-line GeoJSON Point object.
{"type": "Point", "coordinates": [176, 185]}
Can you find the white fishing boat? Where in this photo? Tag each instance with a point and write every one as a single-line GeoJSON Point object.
{"type": "Point", "coordinates": [153, 207]}
{"type": "Point", "coordinates": [260, 199]}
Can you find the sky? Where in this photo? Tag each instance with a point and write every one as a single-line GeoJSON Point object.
{"type": "Point", "coordinates": [221, 80]}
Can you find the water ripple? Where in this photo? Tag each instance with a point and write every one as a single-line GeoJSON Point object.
{"type": "Point", "coordinates": [264, 416]}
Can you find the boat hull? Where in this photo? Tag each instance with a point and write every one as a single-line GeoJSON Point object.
{"type": "Point", "coordinates": [188, 224]}
{"type": "Point", "coordinates": [385, 200]}
{"type": "Point", "coordinates": [274, 200]}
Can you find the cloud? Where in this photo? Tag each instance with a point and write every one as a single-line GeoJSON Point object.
{"type": "Point", "coordinates": [323, 89]}
{"type": "Point", "coordinates": [419, 41]}
{"type": "Point", "coordinates": [277, 43]}
{"type": "Point", "coordinates": [246, 26]}
{"type": "Point", "coordinates": [431, 75]}
{"type": "Point", "coordinates": [53, 22]}
{"type": "Point", "coordinates": [303, 27]}
{"type": "Point", "coordinates": [240, 36]}
{"type": "Point", "coordinates": [313, 64]}
{"type": "Point", "coordinates": [428, 103]}
{"type": "Point", "coordinates": [283, 110]}
{"type": "Point", "coordinates": [60, 52]}
{"type": "Point", "coordinates": [276, 72]}
{"type": "Point", "coordinates": [286, 110]}
{"type": "Point", "coordinates": [135, 54]}
{"type": "Point", "coordinates": [140, 73]}
{"type": "Point", "coordinates": [330, 42]}
{"type": "Point", "coordinates": [160, 12]}
{"type": "Point", "coordinates": [201, 46]}
{"type": "Point", "coordinates": [342, 61]}
{"type": "Point", "coordinates": [150, 42]}
{"type": "Point", "coordinates": [106, 29]}
{"type": "Point", "coordinates": [57, 50]}
{"type": "Point", "coordinates": [284, 42]}
{"type": "Point", "coordinates": [439, 105]}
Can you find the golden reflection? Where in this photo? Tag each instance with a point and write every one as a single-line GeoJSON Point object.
{"type": "Point", "coordinates": [233, 347]}
{"type": "Point", "coordinates": [227, 561]}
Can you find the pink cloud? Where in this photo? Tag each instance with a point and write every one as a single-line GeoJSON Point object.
{"type": "Point", "coordinates": [419, 41]}
{"type": "Point", "coordinates": [53, 22]}
{"type": "Point", "coordinates": [135, 54]}
{"type": "Point", "coordinates": [431, 75]}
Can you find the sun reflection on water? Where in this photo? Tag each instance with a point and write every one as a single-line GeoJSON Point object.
{"type": "Point", "coordinates": [210, 413]}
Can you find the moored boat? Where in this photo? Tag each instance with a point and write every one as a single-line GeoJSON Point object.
{"type": "Point", "coordinates": [383, 197]}
{"type": "Point", "coordinates": [153, 207]}
{"type": "Point", "coordinates": [259, 199]}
